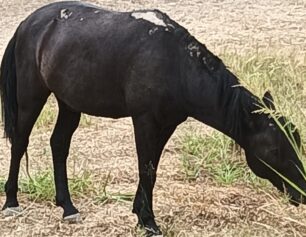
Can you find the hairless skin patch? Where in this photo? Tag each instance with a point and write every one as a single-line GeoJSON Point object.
{"type": "Point", "coordinates": [65, 14]}
{"type": "Point", "coordinates": [149, 16]}
{"type": "Point", "coordinates": [194, 50]}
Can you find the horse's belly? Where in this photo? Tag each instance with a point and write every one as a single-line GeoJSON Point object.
{"type": "Point", "coordinates": [110, 111]}
{"type": "Point", "coordinates": [99, 96]}
{"type": "Point", "coordinates": [113, 107]}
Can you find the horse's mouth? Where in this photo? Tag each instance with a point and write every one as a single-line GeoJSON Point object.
{"type": "Point", "coordinates": [296, 200]}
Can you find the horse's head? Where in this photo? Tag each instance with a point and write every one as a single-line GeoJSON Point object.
{"type": "Point", "coordinates": [269, 146]}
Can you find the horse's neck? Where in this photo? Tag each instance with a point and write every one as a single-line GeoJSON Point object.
{"type": "Point", "coordinates": [228, 107]}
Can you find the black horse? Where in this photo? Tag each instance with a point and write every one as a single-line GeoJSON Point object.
{"type": "Point", "coordinates": [140, 64]}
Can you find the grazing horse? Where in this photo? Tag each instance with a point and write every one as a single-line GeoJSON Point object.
{"type": "Point", "coordinates": [140, 64]}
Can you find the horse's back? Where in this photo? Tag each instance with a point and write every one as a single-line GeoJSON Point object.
{"type": "Point", "coordinates": [97, 61]}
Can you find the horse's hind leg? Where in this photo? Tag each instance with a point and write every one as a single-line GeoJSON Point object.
{"type": "Point", "coordinates": [29, 108]}
{"type": "Point", "coordinates": [66, 124]}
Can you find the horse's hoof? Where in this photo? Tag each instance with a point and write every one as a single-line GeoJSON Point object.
{"type": "Point", "coordinates": [73, 219]}
{"type": "Point", "coordinates": [12, 211]}
{"type": "Point", "coordinates": [156, 232]}
{"type": "Point", "coordinates": [151, 231]}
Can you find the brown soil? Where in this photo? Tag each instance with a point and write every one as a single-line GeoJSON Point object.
{"type": "Point", "coordinates": [197, 208]}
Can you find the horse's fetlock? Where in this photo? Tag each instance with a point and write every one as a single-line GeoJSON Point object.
{"type": "Point", "coordinates": [59, 201]}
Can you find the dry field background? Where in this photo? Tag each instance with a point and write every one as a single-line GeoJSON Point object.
{"type": "Point", "coordinates": [103, 147]}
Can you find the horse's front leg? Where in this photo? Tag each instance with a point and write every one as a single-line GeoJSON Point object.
{"type": "Point", "coordinates": [66, 124]}
{"type": "Point", "coordinates": [151, 138]}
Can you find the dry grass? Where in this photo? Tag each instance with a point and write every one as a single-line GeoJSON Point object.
{"type": "Point", "coordinates": [201, 206]}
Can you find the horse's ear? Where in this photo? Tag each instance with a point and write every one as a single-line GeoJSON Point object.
{"type": "Point", "coordinates": [268, 100]}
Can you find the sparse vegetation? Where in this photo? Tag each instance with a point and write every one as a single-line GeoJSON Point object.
{"type": "Point", "coordinates": [104, 196]}
{"type": "Point", "coordinates": [41, 186]}
{"type": "Point", "coordinates": [217, 155]}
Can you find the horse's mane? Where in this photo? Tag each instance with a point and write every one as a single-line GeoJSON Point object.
{"type": "Point", "coordinates": [234, 100]}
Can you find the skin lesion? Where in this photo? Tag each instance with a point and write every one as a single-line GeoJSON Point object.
{"type": "Point", "coordinates": [149, 16]}
{"type": "Point", "coordinates": [65, 14]}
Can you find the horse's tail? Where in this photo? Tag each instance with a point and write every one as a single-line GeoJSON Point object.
{"type": "Point", "coordinates": [8, 90]}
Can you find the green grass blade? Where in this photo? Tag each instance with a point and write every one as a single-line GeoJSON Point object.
{"type": "Point", "coordinates": [292, 184]}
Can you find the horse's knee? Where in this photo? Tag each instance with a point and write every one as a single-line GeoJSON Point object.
{"type": "Point", "coordinates": [148, 171]}
{"type": "Point", "coordinates": [147, 178]}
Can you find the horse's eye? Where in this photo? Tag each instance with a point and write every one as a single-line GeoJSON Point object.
{"type": "Point", "coordinates": [272, 126]}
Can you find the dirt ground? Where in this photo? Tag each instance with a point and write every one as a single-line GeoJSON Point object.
{"type": "Point", "coordinates": [200, 208]}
